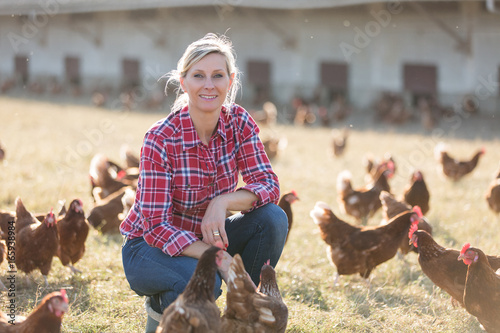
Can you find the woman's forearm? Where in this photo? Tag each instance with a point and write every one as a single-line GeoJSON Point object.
{"type": "Point", "coordinates": [236, 201]}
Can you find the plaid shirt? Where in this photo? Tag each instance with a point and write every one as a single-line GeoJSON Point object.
{"type": "Point", "coordinates": [179, 175]}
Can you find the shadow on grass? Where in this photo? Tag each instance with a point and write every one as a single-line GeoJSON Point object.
{"type": "Point", "coordinates": [306, 292]}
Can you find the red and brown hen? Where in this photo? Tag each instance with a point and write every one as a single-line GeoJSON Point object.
{"type": "Point", "coordinates": [45, 318]}
{"type": "Point", "coordinates": [452, 168]}
{"type": "Point", "coordinates": [251, 309]}
{"type": "Point", "coordinates": [195, 309]}
{"type": "Point", "coordinates": [73, 230]}
{"type": "Point", "coordinates": [354, 249]}
{"type": "Point", "coordinates": [440, 264]}
{"type": "Point", "coordinates": [36, 245]}
{"type": "Point", "coordinates": [482, 288]}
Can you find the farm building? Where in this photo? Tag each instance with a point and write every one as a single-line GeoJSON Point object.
{"type": "Point", "coordinates": [314, 50]}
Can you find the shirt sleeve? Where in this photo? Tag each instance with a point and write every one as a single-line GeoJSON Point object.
{"type": "Point", "coordinates": [254, 164]}
{"type": "Point", "coordinates": [155, 202]}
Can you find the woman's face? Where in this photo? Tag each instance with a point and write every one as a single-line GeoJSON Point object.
{"type": "Point", "coordinates": [207, 83]}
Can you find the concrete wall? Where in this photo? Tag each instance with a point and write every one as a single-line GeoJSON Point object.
{"type": "Point", "coordinates": [376, 41]}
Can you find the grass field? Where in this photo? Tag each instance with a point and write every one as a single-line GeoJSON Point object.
{"type": "Point", "coordinates": [49, 148]}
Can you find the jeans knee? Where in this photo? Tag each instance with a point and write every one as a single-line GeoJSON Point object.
{"type": "Point", "coordinates": [276, 219]}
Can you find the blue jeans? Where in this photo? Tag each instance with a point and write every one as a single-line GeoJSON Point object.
{"type": "Point", "coordinates": [257, 236]}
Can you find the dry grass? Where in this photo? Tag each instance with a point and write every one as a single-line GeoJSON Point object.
{"type": "Point", "coordinates": [49, 148]}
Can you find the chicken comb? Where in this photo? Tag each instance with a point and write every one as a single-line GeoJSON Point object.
{"type": "Point", "coordinates": [418, 210]}
{"type": "Point", "coordinates": [121, 174]}
{"type": "Point", "coordinates": [413, 228]}
{"type": "Point", "coordinates": [464, 248]}
{"type": "Point", "coordinates": [483, 151]}
{"type": "Point", "coordinates": [64, 296]}
{"type": "Point", "coordinates": [268, 262]}
{"type": "Point", "coordinates": [294, 193]}
{"type": "Point", "coordinates": [390, 165]}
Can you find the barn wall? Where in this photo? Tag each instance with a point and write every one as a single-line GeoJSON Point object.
{"type": "Point", "coordinates": [375, 41]}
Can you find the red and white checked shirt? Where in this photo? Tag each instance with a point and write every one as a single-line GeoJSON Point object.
{"type": "Point", "coordinates": [179, 175]}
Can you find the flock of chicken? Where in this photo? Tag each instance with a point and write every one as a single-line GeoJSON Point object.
{"type": "Point", "coordinates": [472, 280]}
{"type": "Point", "coordinates": [248, 308]}
{"type": "Point", "coordinates": [40, 237]}
{"type": "Point", "coordinates": [468, 275]}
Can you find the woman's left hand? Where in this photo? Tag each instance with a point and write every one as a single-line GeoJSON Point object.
{"type": "Point", "coordinates": [213, 223]}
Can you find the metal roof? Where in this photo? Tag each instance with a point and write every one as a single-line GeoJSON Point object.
{"type": "Point", "coordinates": [52, 7]}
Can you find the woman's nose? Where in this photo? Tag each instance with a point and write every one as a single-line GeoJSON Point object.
{"type": "Point", "coordinates": [208, 83]}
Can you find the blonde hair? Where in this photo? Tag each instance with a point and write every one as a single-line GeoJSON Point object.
{"type": "Point", "coordinates": [196, 51]}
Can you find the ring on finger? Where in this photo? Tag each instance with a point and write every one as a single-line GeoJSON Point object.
{"type": "Point", "coordinates": [216, 233]}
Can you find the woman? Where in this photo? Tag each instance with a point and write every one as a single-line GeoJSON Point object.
{"type": "Point", "coordinates": [190, 162]}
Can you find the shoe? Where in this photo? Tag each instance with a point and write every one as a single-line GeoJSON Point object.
{"type": "Point", "coordinates": [154, 317]}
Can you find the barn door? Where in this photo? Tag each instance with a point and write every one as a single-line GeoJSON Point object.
{"type": "Point", "coordinates": [131, 76]}
{"type": "Point", "coordinates": [72, 70]}
{"type": "Point", "coordinates": [334, 81]}
{"type": "Point", "coordinates": [420, 81]}
{"type": "Point", "coordinates": [21, 68]}
{"type": "Point", "coordinates": [259, 79]}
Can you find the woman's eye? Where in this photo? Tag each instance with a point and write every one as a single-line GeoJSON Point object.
{"type": "Point", "coordinates": [217, 76]}
{"type": "Point", "coordinates": [198, 76]}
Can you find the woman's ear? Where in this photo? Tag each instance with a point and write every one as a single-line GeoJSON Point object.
{"type": "Point", "coordinates": [231, 79]}
{"type": "Point", "coordinates": [181, 81]}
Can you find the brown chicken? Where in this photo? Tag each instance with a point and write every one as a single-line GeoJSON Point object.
{"type": "Point", "coordinates": [392, 207]}
{"type": "Point", "coordinates": [251, 309]}
{"type": "Point", "coordinates": [274, 146]}
{"type": "Point", "coordinates": [441, 266]}
{"type": "Point", "coordinates": [107, 215]}
{"type": "Point", "coordinates": [452, 168]}
{"type": "Point", "coordinates": [36, 245]}
{"type": "Point", "coordinates": [493, 194]}
{"type": "Point", "coordinates": [45, 318]}
{"type": "Point", "coordinates": [128, 199]}
{"type": "Point", "coordinates": [3, 255]}
{"type": "Point", "coordinates": [18, 219]}
{"type": "Point", "coordinates": [2, 152]}
{"type": "Point", "coordinates": [23, 216]}
{"type": "Point", "coordinates": [373, 165]}
{"type": "Point", "coordinates": [364, 202]}
{"type": "Point", "coordinates": [354, 249]}
{"type": "Point", "coordinates": [482, 288]}
{"type": "Point", "coordinates": [267, 116]}
{"type": "Point", "coordinates": [104, 177]}
{"type": "Point", "coordinates": [131, 160]}
{"type": "Point", "coordinates": [6, 218]}
{"type": "Point", "coordinates": [417, 194]}
{"type": "Point", "coordinates": [195, 309]}
{"type": "Point", "coordinates": [285, 203]}
{"type": "Point", "coordinates": [73, 230]}
{"type": "Point", "coordinates": [339, 140]}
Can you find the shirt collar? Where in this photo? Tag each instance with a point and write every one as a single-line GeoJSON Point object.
{"type": "Point", "coordinates": [190, 138]}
